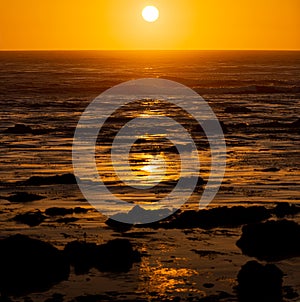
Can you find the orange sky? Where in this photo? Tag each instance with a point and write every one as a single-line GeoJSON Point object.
{"type": "Point", "coordinates": [117, 24]}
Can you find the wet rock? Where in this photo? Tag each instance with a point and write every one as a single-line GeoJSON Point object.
{"type": "Point", "coordinates": [289, 292]}
{"type": "Point", "coordinates": [5, 299]}
{"type": "Point", "coordinates": [271, 241]}
{"type": "Point", "coordinates": [138, 215]}
{"type": "Point", "coordinates": [273, 169]}
{"type": "Point", "coordinates": [20, 197]}
{"type": "Point", "coordinates": [237, 109]}
{"type": "Point", "coordinates": [18, 129]}
{"type": "Point", "coordinates": [283, 209]}
{"type": "Point", "coordinates": [259, 283]}
{"type": "Point", "coordinates": [81, 255]}
{"type": "Point", "coordinates": [79, 210]}
{"type": "Point", "coordinates": [67, 220]}
{"type": "Point", "coordinates": [114, 256]}
{"type": "Point", "coordinates": [55, 211]}
{"type": "Point", "coordinates": [30, 265]}
{"type": "Point", "coordinates": [217, 217]}
{"type": "Point", "coordinates": [30, 218]}
{"type": "Point", "coordinates": [56, 298]}
{"type": "Point", "coordinates": [68, 178]}
{"type": "Point", "coordinates": [118, 226]}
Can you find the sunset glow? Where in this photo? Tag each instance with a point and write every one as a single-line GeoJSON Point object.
{"type": "Point", "coordinates": [119, 25]}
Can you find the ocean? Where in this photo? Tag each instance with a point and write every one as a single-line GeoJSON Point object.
{"type": "Point", "coordinates": [254, 94]}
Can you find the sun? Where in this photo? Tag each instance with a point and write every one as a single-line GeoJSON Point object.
{"type": "Point", "coordinates": [150, 13]}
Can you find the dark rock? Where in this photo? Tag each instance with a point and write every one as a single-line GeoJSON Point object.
{"type": "Point", "coordinates": [217, 217]}
{"type": "Point", "coordinates": [271, 241]}
{"type": "Point", "coordinates": [289, 292]}
{"type": "Point", "coordinates": [208, 285]}
{"type": "Point", "coordinates": [58, 211]}
{"type": "Point", "coordinates": [270, 170]}
{"type": "Point", "coordinates": [29, 265]}
{"type": "Point", "coordinates": [50, 180]}
{"type": "Point", "coordinates": [56, 298]}
{"type": "Point", "coordinates": [79, 210]}
{"type": "Point", "coordinates": [67, 220]}
{"type": "Point", "coordinates": [114, 256]}
{"type": "Point", "coordinates": [19, 197]}
{"type": "Point", "coordinates": [259, 283]}
{"type": "Point", "coordinates": [118, 226]}
{"type": "Point", "coordinates": [55, 211]}
{"type": "Point", "coordinates": [283, 209]}
{"type": "Point", "coordinates": [138, 215]}
{"type": "Point", "coordinates": [237, 109]}
{"type": "Point", "coordinates": [30, 218]}
{"type": "Point", "coordinates": [81, 255]}
{"type": "Point", "coordinates": [18, 129]}
{"type": "Point", "coordinates": [5, 299]}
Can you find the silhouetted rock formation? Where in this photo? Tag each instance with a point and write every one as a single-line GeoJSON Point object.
{"type": "Point", "coordinates": [217, 217]}
{"type": "Point", "coordinates": [68, 178]}
{"type": "Point", "coordinates": [19, 197]}
{"type": "Point", "coordinates": [138, 215]}
{"type": "Point", "coordinates": [271, 241]}
{"type": "Point", "coordinates": [81, 255]}
{"type": "Point", "coordinates": [18, 129]}
{"type": "Point", "coordinates": [283, 209]}
{"type": "Point", "coordinates": [273, 169]}
{"type": "Point", "coordinates": [30, 218]}
{"type": "Point", "coordinates": [58, 211]}
{"type": "Point", "coordinates": [114, 256]}
{"type": "Point", "coordinates": [28, 265]}
{"type": "Point", "coordinates": [259, 283]}
{"type": "Point", "coordinates": [55, 211]}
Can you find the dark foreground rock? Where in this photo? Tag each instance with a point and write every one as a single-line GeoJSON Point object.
{"type": "Point", "coordinates": [259, 283]}
{"type": "Point", "coordinates": [283, 209]}
{"type": "Point", "coordinates": [20, 197]}
{"type": "Point", "coordinates": [271, 241]}
{"type": "Point", "coordinates": [217, 217]}
{"type": "Point", "coordinates": [30, 218]}
{"type": "Point", "coordinates": [19, 129]}
{"type": "Point", "coordinates": [28, 265]}
{"type": "Point", "coordinates": [68, 178]}
{"type": "Point", "coordinates": [114, 256]}
{"type": "Point", "coordinates": [56, 211]}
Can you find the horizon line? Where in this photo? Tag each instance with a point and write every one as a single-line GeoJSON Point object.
{"type": "Point", "coordinates": [23, 50]}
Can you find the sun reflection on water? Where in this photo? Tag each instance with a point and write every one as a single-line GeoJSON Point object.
{"type": "Point", "coordinates": [167, 281]}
